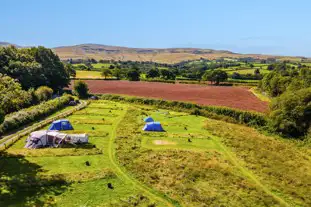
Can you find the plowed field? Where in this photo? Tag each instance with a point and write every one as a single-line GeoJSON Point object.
{"type": "Point", "coordinates": [234, 97]}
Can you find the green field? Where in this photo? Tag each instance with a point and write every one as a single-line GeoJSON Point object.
{"type": "Point", "coordinates": [196, 161]}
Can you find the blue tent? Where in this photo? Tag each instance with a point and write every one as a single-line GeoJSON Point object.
{"type": "Point", "coordinates": [153, 126]}
{"type": "Point", "coordinates": [62, 124]}
{"type": "Point", "coordinates": [148, 119]}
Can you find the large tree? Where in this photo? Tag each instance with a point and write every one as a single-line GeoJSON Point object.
{"type": "Point", "coordinates": [215, 76]}
{"type": "Point", "coordinates": [291, 113]}
{"type": "Point", "coordinates": [34, 67]}
{"type": "Point", "coordinates": [55, 75]}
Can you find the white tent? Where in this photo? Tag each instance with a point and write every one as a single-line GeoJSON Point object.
{"type": "Point", "coordinates": [46, 138]}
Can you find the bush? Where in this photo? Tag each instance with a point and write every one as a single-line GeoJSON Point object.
{"type": "Point", "coordinates": [44, 93]}
{"type": "Point", "coordinates": [133, 75]}
{"type": "Point", "coordinates": [81, 89]}
{"type": "Point", "coordinates": [26, 116]}
{"type": "Point", "coordinates": [222, 113]}
{"type": "Point", "coordinates": [291, 113]}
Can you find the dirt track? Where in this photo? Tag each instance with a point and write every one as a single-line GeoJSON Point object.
{"type": "Point", "coordinates": [235, 97]}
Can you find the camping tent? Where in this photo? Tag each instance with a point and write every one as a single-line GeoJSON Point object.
{"type": "Point", "coordinates": [153, 126]}
{"type": "Point", "coordinates": [148, 119]}
{"type": "Point", "coordinates": [62, 124]}
{"type": "Point", "coordinates": [39, 139]}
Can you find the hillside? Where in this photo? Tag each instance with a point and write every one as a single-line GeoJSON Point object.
{"type": "Point", "coordinates": [5, 44]}
{"type": "Point", "coordinates": [161, 55]}
{"type": "Point", "coordinates": [166, 55]}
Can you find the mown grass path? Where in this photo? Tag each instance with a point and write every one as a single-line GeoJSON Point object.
{"type": "Point", "coordinates": [246, 172]}
{"type": "Point", "coordinates": [123, 175]}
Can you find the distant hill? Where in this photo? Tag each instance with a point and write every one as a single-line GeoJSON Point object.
{"type": "Point", "coordinates": [5, 44]}
{"type": "Point", "coordinates": [165, 55]}
{"type": "Point", "coordinates": [162, 55]}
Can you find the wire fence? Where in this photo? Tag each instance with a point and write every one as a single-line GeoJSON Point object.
{"type": "Point", "coordinates": [11, 139]}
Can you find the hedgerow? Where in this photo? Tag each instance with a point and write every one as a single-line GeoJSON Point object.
{"type": "Point", "coordinates": [28, 115]}
{"type": "Point", "coordinates": [221, 113]}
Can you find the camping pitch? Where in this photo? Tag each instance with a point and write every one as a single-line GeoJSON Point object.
{"type": "Point", "coordinates": [40, 139]}
{"type": "Point", "coordinates": [62, 124]}
{"type": "Point", "coordinates": [153, 126]}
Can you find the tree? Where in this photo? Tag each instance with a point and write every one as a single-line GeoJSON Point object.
{"type": "Point", "coordinates": [117, 73]}
{"type": "Point", "coordinates": [70, 70]}
{"type": "Point", "coordinates": [215, 76]}
{"type": "Point", "coordinates": [106, 72]}
{"type": "Point", "coordinates": [12, 97]}
{"type": "Point", "coordinates": [43, 93]}
{"type": "Point", "coordinates": [153, 73]}
{"type": "Point", "coordinates": [81, 89]}
{"type": "Point", "coordinates": [89, 66]}
{"type": "Point", "coordinates": [167, 75]}
{"type": "Point", "coordinates": [257, 71]}
{"type": "Point", "coordinates": [133, 75]}
{"type": "Point", "coordinates": [111, 67]}
{"type": "Point", "coordinates": [53, 70]}
{"type": "Point", "coordinates": [291, 113]}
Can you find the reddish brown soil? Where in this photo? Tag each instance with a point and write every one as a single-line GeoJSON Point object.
{"type": "Point", "coordinates": [234, 97]}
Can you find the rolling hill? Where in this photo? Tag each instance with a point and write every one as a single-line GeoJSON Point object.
{"type": "Point", "coordinates": [165, 55]}
{"type": "Point", "coordinates": [161, 55]}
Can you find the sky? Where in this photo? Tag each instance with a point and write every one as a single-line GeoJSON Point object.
{"type": "Point", "coordinates": [280, 27]}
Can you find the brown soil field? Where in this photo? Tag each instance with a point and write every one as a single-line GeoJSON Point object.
{"type": "Point", "coordinates": [234, 97]}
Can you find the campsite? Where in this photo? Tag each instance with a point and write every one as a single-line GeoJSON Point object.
{"type": "Point", "coordinates": [164, 169]}
{"type": "Point", "coordinates": [155, 103]}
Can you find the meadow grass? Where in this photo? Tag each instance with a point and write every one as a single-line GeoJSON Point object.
{"type": "Point", "coordinates": [222, 165]}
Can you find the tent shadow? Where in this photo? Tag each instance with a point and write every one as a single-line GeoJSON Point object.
{"type": "Point", "coordinates": [21, 184]}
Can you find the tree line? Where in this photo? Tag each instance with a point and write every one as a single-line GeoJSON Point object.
{"type": "Point", "coordinates": [29, 76]}
{"type": "Point", "coordinates": [290, 88]}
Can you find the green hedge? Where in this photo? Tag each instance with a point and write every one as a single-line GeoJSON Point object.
{"type": "Point", "coordinates": [158, 80]}
{"type": "Point", "coordinates": [222, 113]}
{"type": "Point", "coordinates": [26, 116]}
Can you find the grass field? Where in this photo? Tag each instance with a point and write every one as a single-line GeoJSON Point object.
{"type": "Point", "coordinates": [195, 162]}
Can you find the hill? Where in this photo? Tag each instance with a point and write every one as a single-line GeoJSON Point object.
{"type": "Point", "coordinates": [160, 55]}
{"type": "Point", "coordinates": [166, 55]}
{"type": "Point", "coordinates": [5, 44]}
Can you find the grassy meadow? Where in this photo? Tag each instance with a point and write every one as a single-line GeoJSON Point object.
{"type": "Point", "coordinates": [196, 161]}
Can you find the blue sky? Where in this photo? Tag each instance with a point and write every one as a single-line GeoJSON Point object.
{"type": "Point", "coordinates": [257, 26]}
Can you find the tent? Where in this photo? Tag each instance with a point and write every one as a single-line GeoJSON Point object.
{"type": "Point", "coordinates": [45, 138]}
{"type": "Point", "coordinates": [62, 124]}
{"type": "Point", "coordinates": [148, 119]}
{"type": "Point", "coordinates": [153, 126]}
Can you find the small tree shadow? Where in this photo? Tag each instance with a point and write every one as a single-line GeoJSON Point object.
{"type": "Point", "coordinates": [21, 185]}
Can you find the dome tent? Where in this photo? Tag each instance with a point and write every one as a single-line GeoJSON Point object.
{"type": "Point", "coordinates": [62, 124]}
{"type": "Point", "coordinates": [153, 126]}
{"type": "Point", "coordinates": [148, 119]}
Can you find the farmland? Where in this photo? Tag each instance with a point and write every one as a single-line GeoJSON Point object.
{"type": "Point", "coordinates": [235, 97]}
{"type": "Point", "coordinates": [88, 74]}
{"type": "Point", "coordinates": [196, 161]}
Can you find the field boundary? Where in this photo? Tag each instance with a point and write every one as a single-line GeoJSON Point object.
{"type": "Point", "coordinates": [8, 141]}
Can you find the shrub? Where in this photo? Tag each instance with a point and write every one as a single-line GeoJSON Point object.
{"type": "Point", "coordinates": [25, 116]}
{"type": "Point", "coordinates": [81, 89]}
{"type": "Point", "coordinates": [133, 75]}
{"type": "Point", "coordinates": [291, 113]}
{"type": "Point", "coordinates": [44, 93]}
